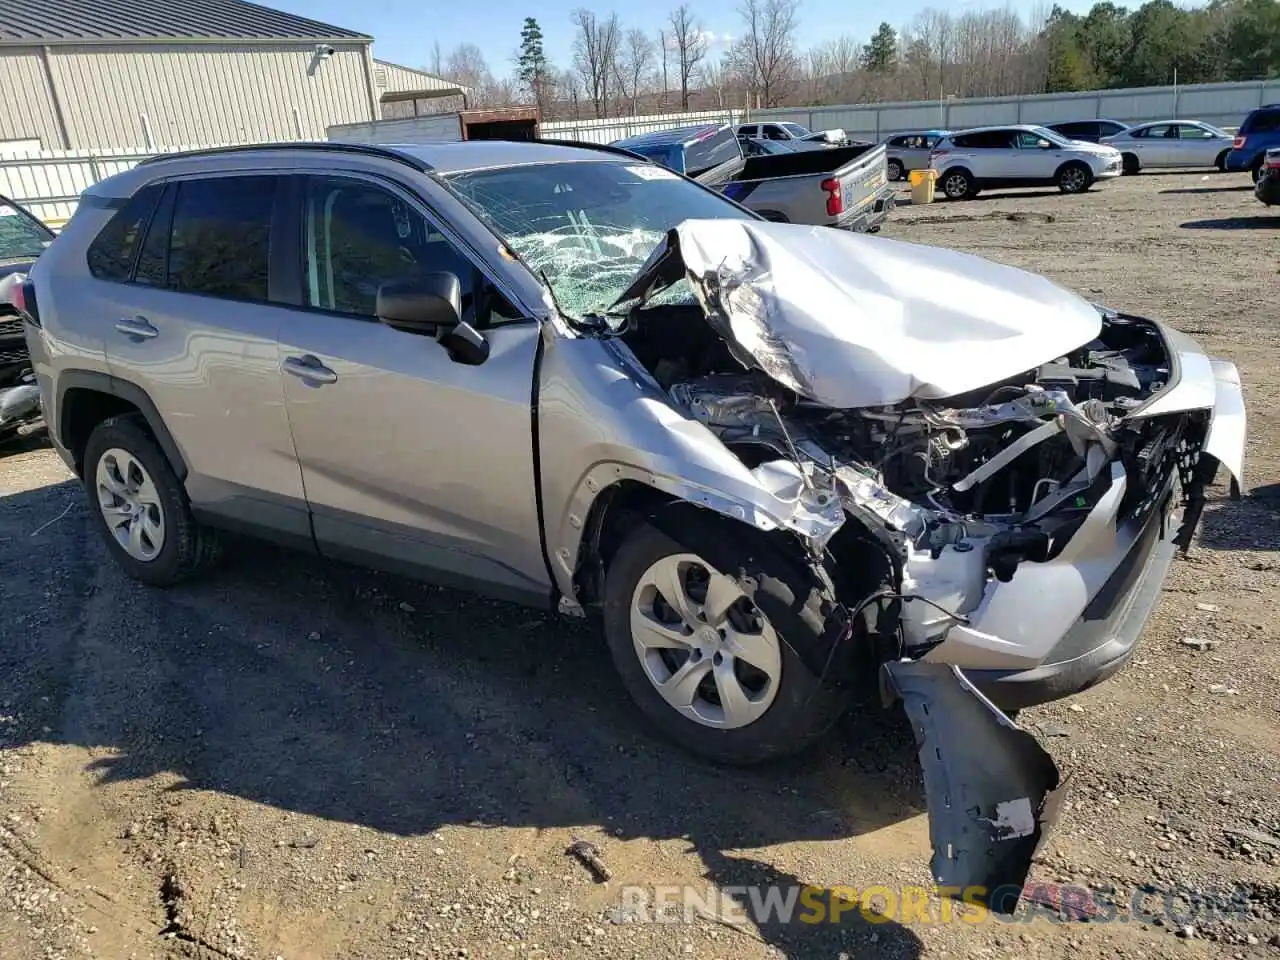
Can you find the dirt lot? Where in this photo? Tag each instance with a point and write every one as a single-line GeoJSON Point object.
{"type": "Point", "coordinates": [300, 760]}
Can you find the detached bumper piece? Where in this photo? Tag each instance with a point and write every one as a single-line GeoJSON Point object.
{"type": "Point", "coordinates": [993, 792]}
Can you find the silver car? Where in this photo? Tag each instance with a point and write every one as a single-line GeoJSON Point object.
{"type": "Point", "coordinates": [777, 460]}
{"type": "Point", "coordinates": [1171, 143]}
{"type": "Point", "coordinates": [910, 151]}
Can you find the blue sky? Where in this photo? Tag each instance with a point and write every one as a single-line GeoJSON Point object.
{"type": "Point", "coordinates": [405, 30]}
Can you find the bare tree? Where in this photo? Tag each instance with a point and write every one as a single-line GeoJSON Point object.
{"type": "Point", "coordinates": [690, 43]}
{"type": "Point", "coordinates": [769, 46]}
{"type": "Point", "coordinates": [595, 49]}
{"type": "Point", "coordinates": [634, 64]}
{"type": "Point", "coordinates": [466, 66]}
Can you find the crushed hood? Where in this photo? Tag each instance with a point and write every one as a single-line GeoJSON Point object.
{"type": "Point", "coordinates": [849, 320]}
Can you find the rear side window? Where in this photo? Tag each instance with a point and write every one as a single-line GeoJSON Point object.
{"type": "Point", "coordinates": [990, 140]}
{"type": "Point", "coordinates": [221, 237]}
{"type": "Point", "coordinates": [112, 251]}
{"type": "Point", "coordinates": [1262, 121]}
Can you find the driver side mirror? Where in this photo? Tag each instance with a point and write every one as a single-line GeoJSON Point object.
{"type": "Point", "coordinates": [432, 305]}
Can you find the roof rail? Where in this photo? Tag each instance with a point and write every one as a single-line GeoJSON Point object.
{"type": "Point", "coordinates": [367, 149]}
{"type": "Point", "coordinates": [588, 145]}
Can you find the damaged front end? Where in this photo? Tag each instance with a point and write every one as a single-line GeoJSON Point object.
{"type": "Point", "coordinates": [1007, 447]}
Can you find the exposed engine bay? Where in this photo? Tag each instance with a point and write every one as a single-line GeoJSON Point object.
{"type": "Point", "coordinates": [961, 490]}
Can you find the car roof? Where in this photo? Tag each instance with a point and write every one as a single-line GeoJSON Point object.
{"type": "Point", "coordinates": [681, 135]}
{"type": "Point", "coordinates": [439, 158]}
{"type": "Point", "coordinates": [994, 127]}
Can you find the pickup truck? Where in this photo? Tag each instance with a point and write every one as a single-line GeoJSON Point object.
{"type": "Point", "coordinates": [845, 187]}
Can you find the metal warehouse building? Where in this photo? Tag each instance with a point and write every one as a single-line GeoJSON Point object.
{"type": "Point", "coordinates": [157, 74]}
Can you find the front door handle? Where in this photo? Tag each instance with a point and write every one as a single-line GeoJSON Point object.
{"type": "Point", "coordinates": [310, 369]}
{"type": "Point", "coordinates": [136, 327]}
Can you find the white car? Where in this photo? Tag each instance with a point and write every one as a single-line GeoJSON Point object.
{"type": "Point", "coordinates": [1019, 155]}
{"type": "Point", "coordinates": [1171, 143]}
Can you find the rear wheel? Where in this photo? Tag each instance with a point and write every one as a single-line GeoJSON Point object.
{"type": "Point", "coordinates": [140, 507]}
{"type": "Point", "coordinates": [958, 185]}
{"type": "Point", "coordinates": [896, 171]}
{"type": "Point", "coordinates": [719, 639]}
{"type": "Point", "coordinates": [1221, 161]}
{"type": "Point", "coordinates": [1074, 178]}
{"type": "Point", "coordinates": [1129, 164]}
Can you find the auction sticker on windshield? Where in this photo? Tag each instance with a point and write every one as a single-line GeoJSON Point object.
{"type": "Point", "coordinates": [653, 173]}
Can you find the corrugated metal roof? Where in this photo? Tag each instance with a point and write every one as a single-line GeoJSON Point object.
{"type": "Point", "coordinates": [114, 21]}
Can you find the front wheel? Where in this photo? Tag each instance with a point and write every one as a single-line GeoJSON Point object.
{"type": "Point", "coordinates": [1129, 164]}
{"type": "Point", "coordinates": [719, 640]}
{"type": "Point", "coordinates": [1256, 170]}
{"type": "Point", "coordinates": [1074, 178]}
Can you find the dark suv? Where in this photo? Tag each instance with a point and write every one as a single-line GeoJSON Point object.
{"type": "Point", "coordinates": [1260, 130]}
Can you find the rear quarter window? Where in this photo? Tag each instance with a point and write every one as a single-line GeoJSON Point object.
{"type": "Point", "coordinates": [719, 148]}
{"type": "Point", "coordinates": [111, 254]}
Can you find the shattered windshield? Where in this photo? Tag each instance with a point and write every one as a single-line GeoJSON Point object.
{"type": "Point", "coordinates": [22, 237]}
{"type": "Point", "coordinates": [588, 227]}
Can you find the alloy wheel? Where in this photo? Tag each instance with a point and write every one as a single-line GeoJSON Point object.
{"type": "Point", "coordinates": [1074, 179]}
{"type": "Point", "coordinates": [956, 186]}
{"type": "Point", "coordinates": [130, 504]}
{"type": "Point", "coordinates": [705, 647]}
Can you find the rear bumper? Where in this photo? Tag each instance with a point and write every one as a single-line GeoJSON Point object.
{"type": "Point", "coordinates": [867, 219]}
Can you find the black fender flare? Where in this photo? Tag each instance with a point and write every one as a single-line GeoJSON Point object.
{"type": "Point", "coordinates": [129, 392]}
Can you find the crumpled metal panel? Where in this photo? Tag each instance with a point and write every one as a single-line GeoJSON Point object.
{"type": "Point", "coordinates": [856, 321]}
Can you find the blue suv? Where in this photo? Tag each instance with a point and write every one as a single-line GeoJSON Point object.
{"type": "Point", "coordinates": [1260, 130]}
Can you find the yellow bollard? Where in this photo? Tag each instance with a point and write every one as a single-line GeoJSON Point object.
{"type": "Point", "coordinates": [922, 182]}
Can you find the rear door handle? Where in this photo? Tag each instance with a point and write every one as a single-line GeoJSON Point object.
{"type": "Point", "coordinates": [310, 369]}
{"type": "Point", "coordinates": [137, 327]}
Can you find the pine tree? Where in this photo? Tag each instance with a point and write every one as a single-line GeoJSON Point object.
{"type": "Point", "coordinates": [532, 63]}
{"type": "Point", "coordinates": [881, 53]}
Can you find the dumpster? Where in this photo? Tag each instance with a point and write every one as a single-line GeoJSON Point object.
{"type": "Point", "coordinates": [922, 185]}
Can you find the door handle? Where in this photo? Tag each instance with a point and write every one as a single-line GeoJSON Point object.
{"type": "Point", "coordinates": [310, 369]}
{"type": "Point", "coordinates": [137, 327]}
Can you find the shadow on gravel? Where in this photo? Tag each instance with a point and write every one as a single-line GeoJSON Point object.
{"type": "Point", "coordinates": [1244, 187]}
{"type": "Point", "coordinates": [1252, 523]}
{"type": "Point", "coordinates": [1259, 222]}
{"type": "Point", "coordinates": [326, 690]}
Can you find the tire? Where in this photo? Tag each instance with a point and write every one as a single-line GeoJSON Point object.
{"type": "Point", "coordinates": [790, 639]}
{"type": "Point", "coordinates": [1255, 171]}
{"type": "Point", "coordinates": [1221, 162]}
{"type": "Point", "coordinates": [895, 170]}
{"type": "Point", "coordinates": [125, 467]}
{"type": "Point", "coordinates": [1129, 164]}
{"type": "Point", "coordinates": [957, 184]}
{"type": "Point", "coordinates": [1074, 178]}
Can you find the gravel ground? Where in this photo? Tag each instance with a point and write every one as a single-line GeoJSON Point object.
{"type": "Point", "coordinates": [298, 760]}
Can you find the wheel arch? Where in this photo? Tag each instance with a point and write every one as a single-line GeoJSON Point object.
{"type": "Point", "coordinates": [613, 497]}
{"type": "Point", "coordinates": [85, 398]}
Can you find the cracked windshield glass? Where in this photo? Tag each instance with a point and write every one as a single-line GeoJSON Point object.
{"type": "Point", "coordinates": [588, 227]}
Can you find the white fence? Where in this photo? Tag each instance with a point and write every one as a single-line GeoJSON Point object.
{"type": "Point", "coordinates": [618, 128]}
{"type": "Point", "coordinates": [49, 181]}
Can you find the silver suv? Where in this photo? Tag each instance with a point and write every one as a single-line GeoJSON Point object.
{"type": "Point", "coordinates": [778, 459]}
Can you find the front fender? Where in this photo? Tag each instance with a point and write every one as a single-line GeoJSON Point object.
{"type": "Point", "coordinates": [603, 419]}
